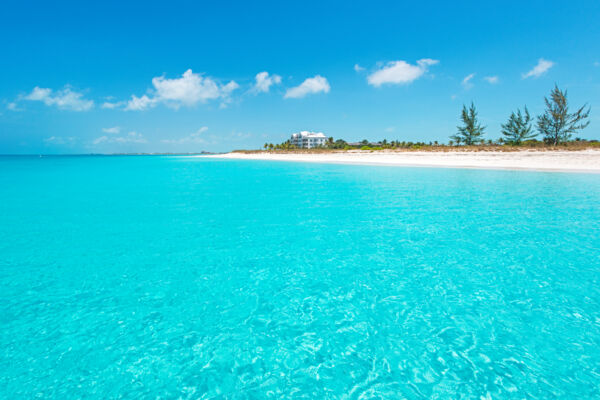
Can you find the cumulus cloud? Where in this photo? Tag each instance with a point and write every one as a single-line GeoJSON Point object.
{"type": "Point", "coordinates": [65, 99]}
{"type": "Point", "coordinates": [195, 137]}
{"type": "Point", "coordinates": [227, 89]}
{"type": "Point", "coordinates": [264, 81]}
{"type": "Point", "coordinates": [226, 93]}
{"type": "Point", "coordinates": [492, 79]}
{"type": "Point", "coordinates": [131, 137]}
{"type": "Point", "coordinates": [139, 103]}
{"type": "Point", "coordinates": [39, 94]}
{"type": "Point", "coordinates": [466, 82]}
{"type": "Point", "coordinates": [187, 91]}
{"type": "Point", "coordinates": [114, 130]}
{"type": "Point", "coordinates": [540, 69]}
{"type": "Point", "coordinates": [312, 85]}
{"type": "Point", "coordinates": [358, 68]}
{"type": "Point", "coordinates": [400, 72]}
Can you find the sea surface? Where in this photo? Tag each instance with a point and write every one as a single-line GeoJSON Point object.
{"type": "Point", "coordinates": [192, 278]}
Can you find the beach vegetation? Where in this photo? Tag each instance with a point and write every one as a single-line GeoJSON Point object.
{"type": "Point", "coordinates": [338, 144]}
{"type": "Point", "coordinates": [557, 124]}
{"type": "Point", "coordinates": [518, 128]}
{"type": "Point", "coordinates": [471, 131]}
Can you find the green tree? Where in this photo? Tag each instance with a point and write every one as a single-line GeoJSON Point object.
{"type": "Point", "coordinates": [471, 131]}
{"type": "Point", "coordinates": [556, 123]}
{"type": "Point", "coordinates": [339, 144]}
{"type": "Point", "coordinates": [518, 128]}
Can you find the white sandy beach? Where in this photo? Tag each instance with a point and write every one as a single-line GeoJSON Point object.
{"type": "Point", "coordinates": [566, 161]}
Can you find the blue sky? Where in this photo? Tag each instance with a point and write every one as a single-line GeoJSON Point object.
{"type": "Point", "coordinates": [191, 76]}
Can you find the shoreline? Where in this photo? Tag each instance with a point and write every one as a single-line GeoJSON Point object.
{"type": "Point", "coordinates": [578, 161]}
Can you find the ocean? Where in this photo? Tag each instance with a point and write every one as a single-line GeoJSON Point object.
{"type": "Point", "coordinates": [195, 278]}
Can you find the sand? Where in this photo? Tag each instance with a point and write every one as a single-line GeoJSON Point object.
{"type": "Point", "coordinates": [566, 161]}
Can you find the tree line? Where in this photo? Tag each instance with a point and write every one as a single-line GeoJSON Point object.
{"type": "Point", "coordinates": [556, 125]}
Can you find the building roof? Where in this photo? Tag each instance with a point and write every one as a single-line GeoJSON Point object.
{"type": "Point", "coordinates": [309, 134]}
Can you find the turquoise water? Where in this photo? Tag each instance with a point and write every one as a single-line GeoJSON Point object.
{"type": "Point", "coordinates": [173, 277]}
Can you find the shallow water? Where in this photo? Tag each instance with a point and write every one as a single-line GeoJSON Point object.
{"type": "Point", "coordinates": [174, 277]}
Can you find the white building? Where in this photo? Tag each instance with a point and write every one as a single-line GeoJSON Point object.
{"type": "Point", "coordinates": [308, 140]}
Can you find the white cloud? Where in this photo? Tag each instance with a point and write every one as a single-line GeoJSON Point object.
{"type": "Point", "coordinates": [312, 85]}
{"type": "Point", "coordinates": [100, 139]}
{"type": "Point", "coordinates": [227, 89]}
{"type": "Point", "coordinates": [540, 69]}
{"type": "Point", "coordinates": [195, 137]}
{"type": "Point", "coordinates": [264, 81]}
{"type": "Point", "coordinates": [188, 90]}
{"type": "Point", "coordinates": [226, 93]}
{"type": "Point", "coordinates": [139, 103]}
{"type": "Point", "coordinates": [466, 82]}
{"type": "Point", "coordinates": [111, 105]}
{"type": "Point", "coordinates": [358, 68]}
{"type": "Point", "coordinates": [39, 94]}
{"type": "Point", "coordinates": [12, 106]}
{"type": "Point", "coordinates": [60, 140]}
{"type": "Point", "coordinates": [114, 130]}
{"type": "Point", "coordinates": [492, 79]}
{"type": "Point", "coordinates": [400, 72]}
{"type": "Point", "coordinates": [390, 129]}
{"type": "Point", "coordinates": [65, 99]}
{"type": "Point", "coordinates": [131, 137]}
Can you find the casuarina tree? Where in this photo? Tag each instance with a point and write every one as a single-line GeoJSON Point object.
{"type": "Point", "coordinates": [518, 128]}
{"type": "Point", "coordinates": [471, 131]}
{"type": "Point", "coordinates": [557, 124]}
